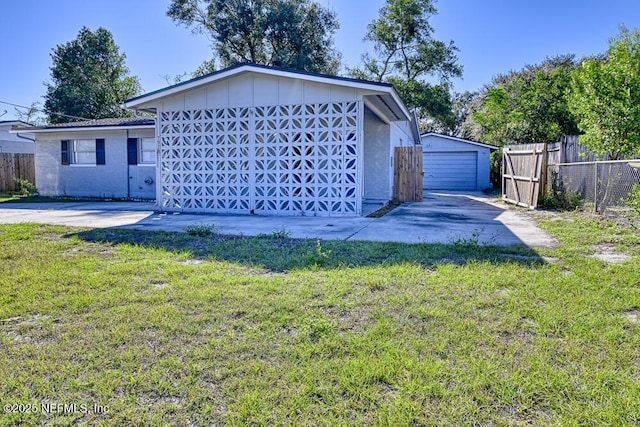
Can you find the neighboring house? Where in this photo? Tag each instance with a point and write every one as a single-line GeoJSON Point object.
{"type": "Point", "coordinates": [15, 142]}
{"type": "Point", "coordinates": [264, 140]}
{"type": "Point", "coordinates": [454, 163]}
{"type": "Point", "coordinates": [107, 158]}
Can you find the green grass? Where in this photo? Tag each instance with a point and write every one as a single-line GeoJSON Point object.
{"type": "Point", "coordinates": [18, 198]}
{"type": "Point", "coordinates": [171, 329]}
{"type": "Point", "coordinates": [6, 197]}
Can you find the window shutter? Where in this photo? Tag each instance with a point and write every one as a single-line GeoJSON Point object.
{"type": "Point", "coordinates": [100, 158]}
{"type": "Point", "coordinates": [132, 151]}
{"type": "Point", "coordinates": [64, 151]}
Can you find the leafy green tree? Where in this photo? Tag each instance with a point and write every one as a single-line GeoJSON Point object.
{"type": "Point", "coordinates": [530, 105]}
{"type": "Point", "coordinates": [89, 79]}
{"type": "Point", "coordinates": [407, 55]}
{"type": "Point", "coordinates": [606, 97]}
{"type": "Point", "coordinates": [296, 34]}
{"type": "Point", "coordinates": [462, 109]}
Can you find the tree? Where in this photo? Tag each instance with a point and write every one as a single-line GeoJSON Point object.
{"type": "Point", "coordinates": [89, 79]}
{"type": "Point", "coordinates": [406, 54]}
{"type": "Point", "coordinates": [530, 105]}
{"type": "Point", "coordinates": [606, 97]}
{"type": "Point", "coordinates": [294, 34]}
{"type": "Point", "coordinates": [462, 109]}
{"type": "Point", "coordinates": [31, 114]}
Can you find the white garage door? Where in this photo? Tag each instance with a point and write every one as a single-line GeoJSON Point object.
{"type": "Point", "coordinates": [455, 170]}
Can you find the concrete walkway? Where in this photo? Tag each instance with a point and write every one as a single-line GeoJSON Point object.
{"type": "Point", "coordinates": [440, 218]}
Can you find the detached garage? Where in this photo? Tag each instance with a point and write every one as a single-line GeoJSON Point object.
{"type": "Point", "coordinates": [452, 163]}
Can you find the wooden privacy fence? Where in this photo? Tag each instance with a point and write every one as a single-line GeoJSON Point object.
{"type": "Point", "coordinates": [12, 166]}
{"type": "Point", "coordinates": [524, 169]}
{"type": "Point", "coordinates": [408, 174]}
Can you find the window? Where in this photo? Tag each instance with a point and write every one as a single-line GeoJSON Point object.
{"type": "Point", "coordinates": [83, 152]}
{"type": "Point", "coordinates": [141, 151]}
{"type": "Point", "coordinates": [147, 151]}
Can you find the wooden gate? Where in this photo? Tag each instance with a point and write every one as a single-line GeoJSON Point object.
{"type": "Point", "coordinates": [15, 166]}
{"type": "Point", "coordinates": [523, 173]}
{"type": "Point", "coordinates": [408, 174]}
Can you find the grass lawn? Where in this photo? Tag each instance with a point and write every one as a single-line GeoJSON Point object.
{"type": "Point", "coordinates": [171, 329]}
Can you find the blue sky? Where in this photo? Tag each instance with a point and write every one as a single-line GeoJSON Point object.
{"type": "Point", "coordinates": [494, 36]}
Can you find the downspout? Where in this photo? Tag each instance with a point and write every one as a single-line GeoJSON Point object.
{"type": "Point", "coordinates": [24, 137]}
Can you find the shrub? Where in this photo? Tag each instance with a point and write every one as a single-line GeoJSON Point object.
{"type": "Point", "coordinates": [200, 230]}
{"type": "Point", "coordinates": [281, 234]}
{"type": "Point", "coordinates": [633, 200]}
{"type": "Point", "coordinates": [25, 188]}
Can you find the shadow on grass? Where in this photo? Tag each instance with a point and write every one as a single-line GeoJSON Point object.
{"type": "Point", "coordinates": [279, 253]}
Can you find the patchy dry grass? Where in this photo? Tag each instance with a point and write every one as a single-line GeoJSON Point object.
{"type": "Point", "coordinates": [166, 328]}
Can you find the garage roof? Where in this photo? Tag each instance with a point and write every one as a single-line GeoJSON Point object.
{"type": "Point", "coordinates": [453, 138]}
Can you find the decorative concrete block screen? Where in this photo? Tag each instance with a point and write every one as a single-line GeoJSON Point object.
{"type": "Point", "coordinates": [278, 160]}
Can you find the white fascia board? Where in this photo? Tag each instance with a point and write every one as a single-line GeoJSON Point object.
{"type": "Point", "coordinates": [398, 101]}
{"type": "Point", "coordinates": [81, 129]}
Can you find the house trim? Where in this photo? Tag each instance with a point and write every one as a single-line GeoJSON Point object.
{"type": "Point", "coordinates": [81, 128]}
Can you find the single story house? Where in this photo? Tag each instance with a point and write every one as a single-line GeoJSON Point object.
{"type": "Point", "coordinates": [451, 163]}
{"type": "Point", "coordinates": [22, 142]}
{"type": "Point", "coordinates": [107, 158]}
{"type": "Point", "coordinates": [266, 140]}
{"type": "Point", "coordinates": [248, 139]}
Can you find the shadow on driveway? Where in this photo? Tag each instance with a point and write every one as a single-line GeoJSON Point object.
{"type": "Point", "coordinates": [449, 217]}
{"type": "Point", "coordinates": [446, 218]}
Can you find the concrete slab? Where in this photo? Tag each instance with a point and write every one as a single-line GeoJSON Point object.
{"type": "Point", "coordinates": [440, 218]}
{"type": "Point", "coordinates": [448, 217]}
{"type": "Point", "coordinates": [79, 214]}
{"type": "Point", "coordinates": [252, 225]}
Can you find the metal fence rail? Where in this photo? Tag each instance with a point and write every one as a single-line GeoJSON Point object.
{"type": "Point", "coordinates": [604, 183]}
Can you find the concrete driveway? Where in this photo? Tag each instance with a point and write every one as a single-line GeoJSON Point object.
{"type": "Point", "coordinates": [443, 217]}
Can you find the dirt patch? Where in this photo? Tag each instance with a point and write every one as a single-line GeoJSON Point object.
{"type": "Point", "coordinates": [624, 217]}
{"type": "Point", "coordinates": [191, 262]}
{"type": "Point", "coordinates": [503, 292]}
{"type": "Point", "coordinates": [27, 330]}
{"type": "Point", "coordinates": [609, 254]}
{"type": "Point", "coordinates": [632, 316]}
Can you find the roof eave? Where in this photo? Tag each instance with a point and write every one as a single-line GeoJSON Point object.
{"type": "Point", "coordinates": [81, 128]}
{"type": "Point", "coordinates": [140, 101]}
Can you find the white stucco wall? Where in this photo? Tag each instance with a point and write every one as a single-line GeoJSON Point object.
{"type": "Point", "coordinates": [108, 180]}
{"type": "Point", "coordinates": [436, 143]}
